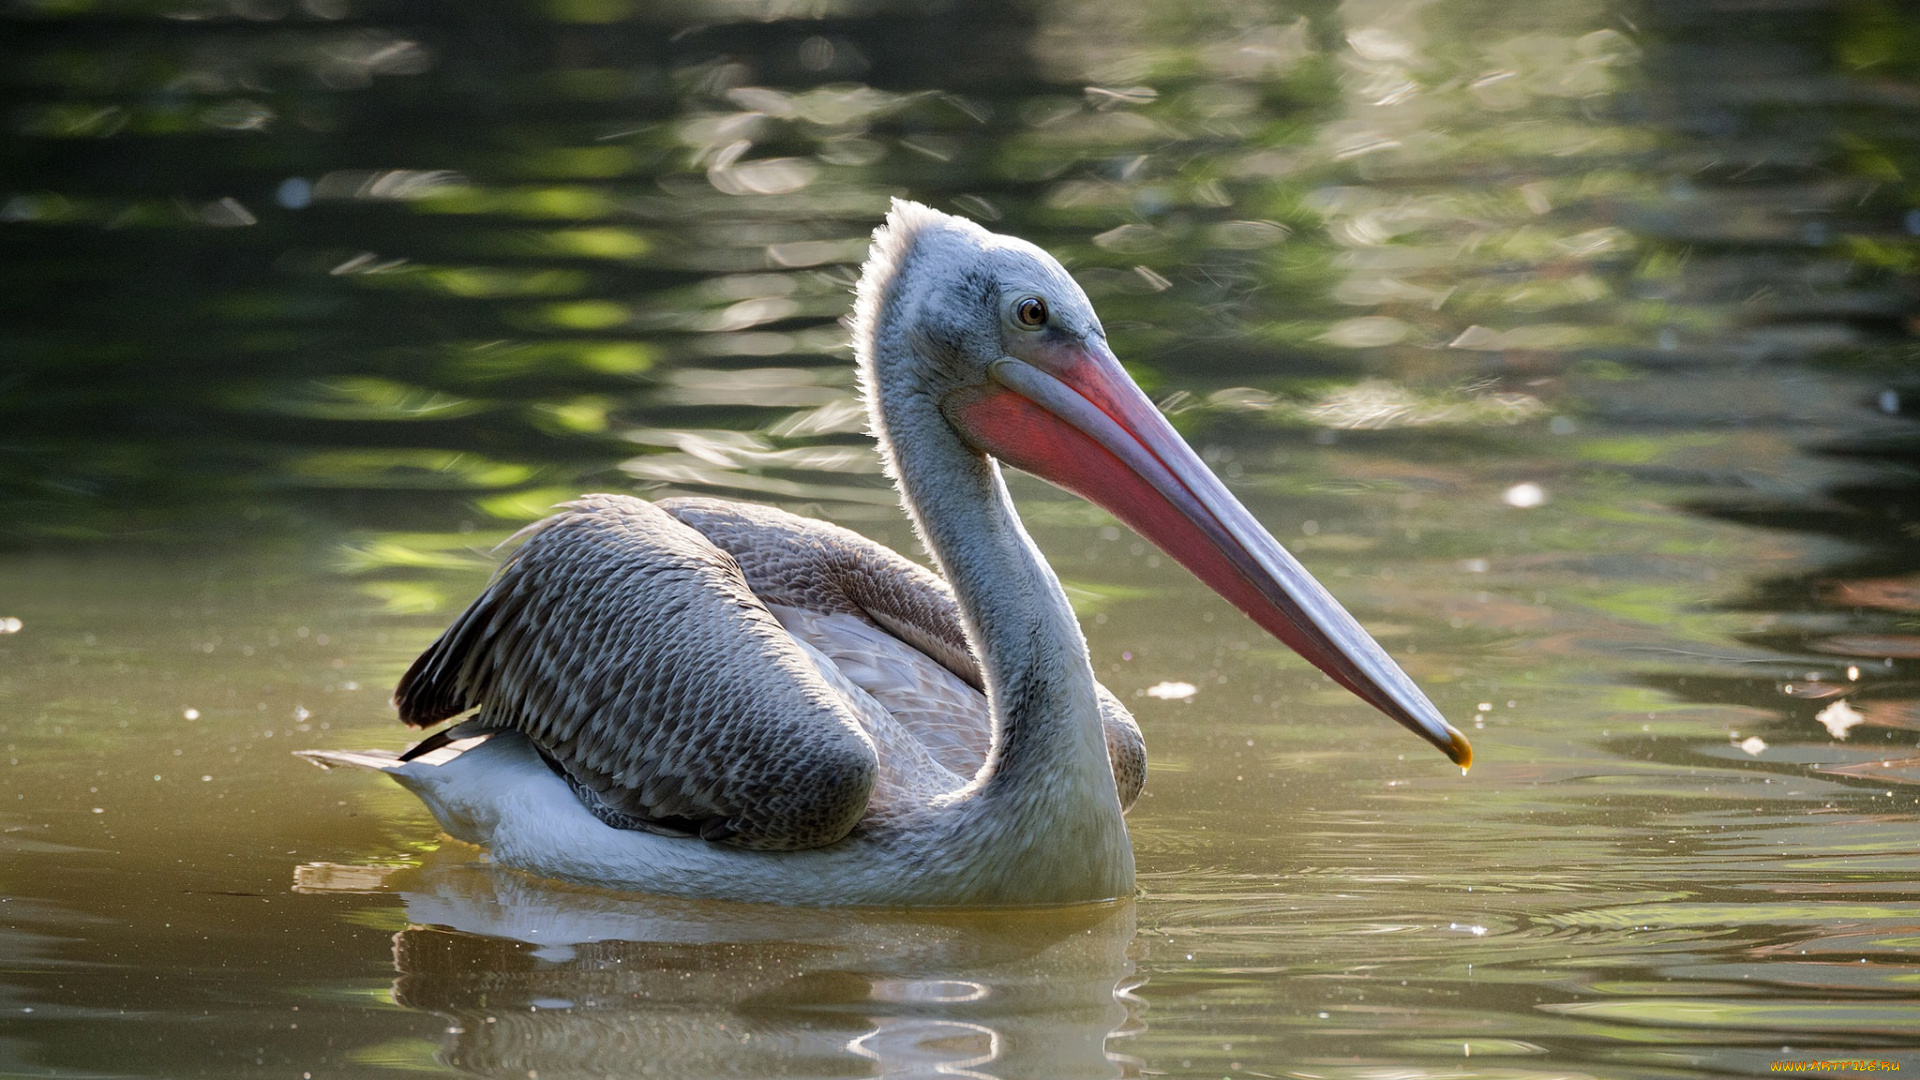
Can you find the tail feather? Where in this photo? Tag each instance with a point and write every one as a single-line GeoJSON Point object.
{"type": "Point", "coordinates": [377, 760]}
{"type": "Point", "coordinates": [436, 749]}
{"type": "Point", "coordinates": [445, 737]}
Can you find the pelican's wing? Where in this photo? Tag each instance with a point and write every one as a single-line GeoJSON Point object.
{"type": "Point", "coordinates": [1126, 749]}
{"type": "Point", "coordinates": [633, 652]}
{"type": "Point", "coordinates": [892, 626]}
{"type": "Point", "coordinates": [945, 715]}
{"type": "Point", "coordinates": [810, 564]}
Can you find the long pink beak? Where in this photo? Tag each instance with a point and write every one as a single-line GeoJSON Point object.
{"type": "Point", "coordinates": [1089, 429]}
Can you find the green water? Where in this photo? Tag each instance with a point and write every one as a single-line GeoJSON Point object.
{"type": "Point", "coordinates": [1571, 346]}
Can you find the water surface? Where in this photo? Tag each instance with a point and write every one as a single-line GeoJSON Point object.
{"type": "Point", "coordinates": [1571, 345]}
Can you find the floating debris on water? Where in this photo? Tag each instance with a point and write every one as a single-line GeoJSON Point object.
{"type": "Point", "coordinates": [1839, 719]}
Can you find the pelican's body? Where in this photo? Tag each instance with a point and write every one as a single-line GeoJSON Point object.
{"type": "Point", "coordinates": [787, 655]}
{"type": "Point", "coordinates": [712, 699]}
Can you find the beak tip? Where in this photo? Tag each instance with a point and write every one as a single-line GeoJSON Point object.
{"type": "Point", "coordinates": [1457, 748]}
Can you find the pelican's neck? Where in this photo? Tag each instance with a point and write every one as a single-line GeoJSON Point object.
{"type": "Point", "coordinates": [1048, 739]}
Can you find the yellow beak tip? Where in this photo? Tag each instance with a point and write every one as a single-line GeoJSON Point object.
{"type": "Point", "coordinates": [1458, 750]}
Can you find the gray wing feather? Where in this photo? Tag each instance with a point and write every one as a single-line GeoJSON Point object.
{"type": "Point", "coordinates": [943, 714]}
{"type": "Point", "coordinates": [1126, 749]}
{"type": "Point", "coordinates": [810, 564]}
{"type": "Point", "coordinates": [634, 653]}
{"type": "Point", "coordinates": [818, 567]}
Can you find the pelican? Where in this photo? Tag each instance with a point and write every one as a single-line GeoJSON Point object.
{"type": "Point", "coordinates": [714, 699]}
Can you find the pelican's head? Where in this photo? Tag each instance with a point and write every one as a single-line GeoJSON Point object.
{"type": "Point", "coordinates": [961, 298]}
{"type": "Point", "coordinates": [996, 334]}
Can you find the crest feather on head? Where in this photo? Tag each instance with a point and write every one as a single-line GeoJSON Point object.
{"type": "Point", "coordinates": [894, 243]}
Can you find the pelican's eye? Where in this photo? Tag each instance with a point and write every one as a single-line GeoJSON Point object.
{"type": "Point", "coordinates": [1031, 313]}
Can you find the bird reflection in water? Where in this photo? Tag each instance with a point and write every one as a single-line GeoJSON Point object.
{"type": "Point", "coordinates": [541, 978]}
